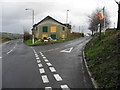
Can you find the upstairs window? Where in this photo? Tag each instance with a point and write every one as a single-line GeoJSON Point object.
{"type": "Point", "coordinates": [63, 28]}
{"type": "Point", "coordinates": [36, 28]}
{"type": "Point", "coordinates": [53, 29]}
{"type": "Point", "coordinates": [45, 29]}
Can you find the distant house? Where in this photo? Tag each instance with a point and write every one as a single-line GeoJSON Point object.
{"type": "Point", "coordinates": [49, 27]}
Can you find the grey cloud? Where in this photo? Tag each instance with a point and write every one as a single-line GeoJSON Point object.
{"type": "Point", "coordinates": [15, 17]}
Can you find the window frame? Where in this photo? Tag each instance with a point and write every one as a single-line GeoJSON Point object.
{"type": "Point", "coordinates": [63, 28]}
{"type": "Point", "coordinates": [43, 30]}
{"type": "Point", "coordinates": [55, 29]}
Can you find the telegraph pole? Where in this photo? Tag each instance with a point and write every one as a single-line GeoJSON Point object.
{"type": "Point", "coordinates": [67, 22]}
{"type": "Point", "coordinates": [118, 23]}
{"type": "Point", "coordinates": [32, 23]}
{"type": "Point", "coordinates": [79, 29]}
{"type": "Point", "coordinates": [67, 17]}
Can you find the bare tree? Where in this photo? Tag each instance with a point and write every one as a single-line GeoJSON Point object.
{"type": "Point", "coordinates": [94, 21]}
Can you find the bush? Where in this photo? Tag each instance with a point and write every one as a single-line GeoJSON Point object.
{"type": "Point", "coordinates": [27, 36]}
{"type": "Point", "coordinates": [7, 39]}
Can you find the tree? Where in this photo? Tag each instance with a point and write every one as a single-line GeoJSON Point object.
{"type": "Point", "coordinates": [26, 36]}
{"type": "Point", "coordinates": [94, 21]}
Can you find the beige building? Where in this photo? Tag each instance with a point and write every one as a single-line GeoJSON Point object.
{"type": "Point", "coordinates": [49, 27]}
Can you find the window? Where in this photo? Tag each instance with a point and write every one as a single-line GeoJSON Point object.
{"type": "Point", "coordinates": [63, 28]}
{"type": "Point", "coordinates": [36, 28]}
{"type": "Point", "coordinates": [45, 29]}
{"type": "Point", "coordinates": [53, 28]}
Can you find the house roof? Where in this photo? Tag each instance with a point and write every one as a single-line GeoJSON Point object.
{"type": "Point", "coordinates": [48, 17]}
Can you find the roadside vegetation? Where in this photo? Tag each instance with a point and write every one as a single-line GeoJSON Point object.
{"type": "Point", "coordinates": [38, 42]}
{"type": "Point", "coordinates": [102, 59]}
{"type": "Point", "coordinates": [41, 42]}
{"type": "Point", "coordinates": [5, 37]}
{"type": "Point", "coordinates": [3, 40]}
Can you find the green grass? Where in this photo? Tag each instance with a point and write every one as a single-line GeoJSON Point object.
{"type": "Point", "coordinates": [3, 41]}
{"type": "Point", "coordinates": [29, 42]}
{"type": "Point", "coordinates": [102, 59]}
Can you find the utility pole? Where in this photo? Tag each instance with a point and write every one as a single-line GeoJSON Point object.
{"type": "Point", "coordinates": [32, 23]}
{"type": "Point", "coordinates": [118, 23]}
{"type": "Point", "coordinates": [100, 32]}
{"type": "Point", "coordinates": [67, 17]}
{"type": "Point", "coordinates": [67, 22]}
{"type": "Point", "coordinates": [79, 29]}
{"type": "Point", "coordinates": [114, 25]}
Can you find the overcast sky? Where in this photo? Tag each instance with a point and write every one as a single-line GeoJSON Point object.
{"type": "Point", "coordinates": [15, 19]}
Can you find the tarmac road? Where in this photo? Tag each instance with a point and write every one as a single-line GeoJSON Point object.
{"type": "Point", "coordinates": [51, 66]}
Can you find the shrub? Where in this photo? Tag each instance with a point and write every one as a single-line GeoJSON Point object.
{"type": "Point", "coordinates": [27, 36]}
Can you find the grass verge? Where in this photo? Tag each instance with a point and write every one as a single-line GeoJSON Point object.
{"type": "Point", "coordinates": [29, 42]}
{"type": "Point", "coordinates": [102, 59]}
{"type": "Point", "coordinates": [3, 41]}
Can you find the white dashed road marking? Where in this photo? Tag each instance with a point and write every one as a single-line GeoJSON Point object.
{"type": "Point", "coordinates": [49, 64]}
{"type": "Point", "coordinates": [65, 87]}
{"type": "Point", "coordinates": [52, 69]}
{"type": "Point", "coordinates": [48, 88]}
{"type": "Point", "coordinates": [46, 60]}
{"type": "Point", "coordinates": [44, 57]}
{"type": "Point", "coordinates": [40, 65]}
{"type": "Point", "coordinates": [38, 61]}
{"type": "Point", "coordinates": [42, 70]}
{"type": "Point", "coordinates": [37, 58]}
{"type": "Point", "coordinates": [0, 57]}
{"type": "Point", "coordinates": [36, 55]}
{"type": "Point", "coordinates": [45, 79]}
{"type": "Point", "coordinates": [41, 53]}
{"type": "Point", "coordinates": [57, 77]}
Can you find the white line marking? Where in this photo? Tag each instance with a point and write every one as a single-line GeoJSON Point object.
{"type": "Point", "coordinates": [49, 64]}
{"type": "Point", "coordinates": [57, 77]}
{"type": "Point", "coordinates": [40, 65]}
{"type": "Point", "coordinates": [48, 88]}
{"type": "Point", "coordinates": [12, 49]}
{"type": "Point", "coordinates": [36, 54]}
{"type": "Point", "coordinates": [40, 52]}
{"type": "Point", "coordinates": [34, 50]}
{"type": "Point", "coordinates": [46, 60]}
{"type": "Point", "coordinates": [42, 70]}
{"type": "Point", "coordinates": [53, 49]}
{"type": "Point", "coordinates": [65, 87]}
{"type": "Point", "coordinates": [0, 57]}
{"type": "Point", "coordinates": [44, 57]}
{"type": "Point", "coordinates": [45, 79]}
{"type": "Point", "coordinates": [68, 50]}
{"type": "Point", "coordinates": [37, 58]}
{"type": "Point", "coordinates": [38, 61]}
{"type": "Point", "coordinates": [52, 69]}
